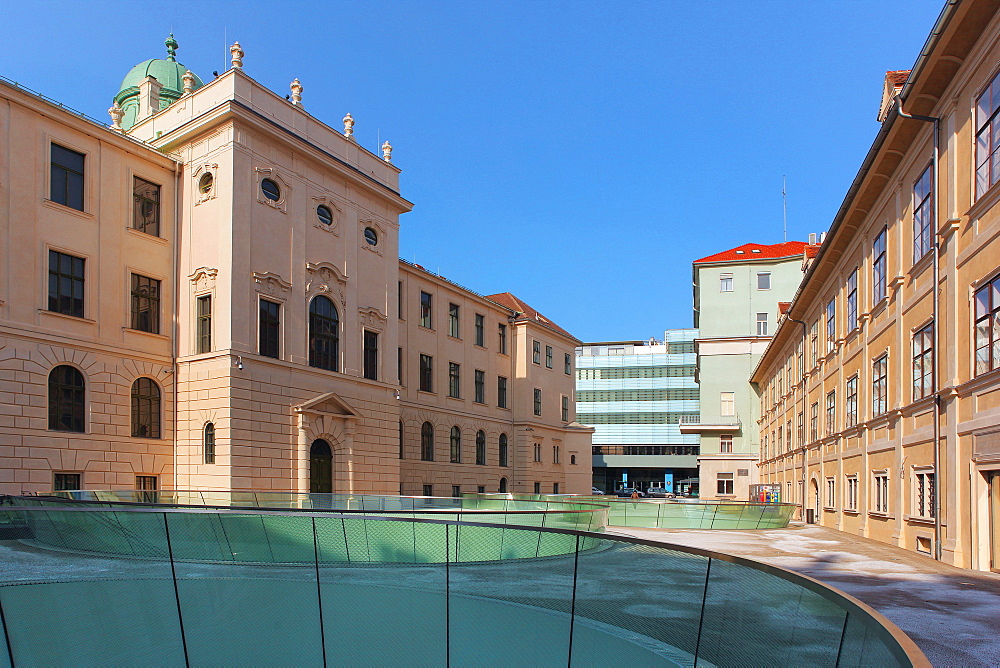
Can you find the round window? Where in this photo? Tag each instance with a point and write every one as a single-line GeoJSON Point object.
{"type": "Point", "coordinates": [205, 183]}
{"type": "Point", "coordinates": [324, 214]}
{"type": "Point", "coordinates": [371, 236]}
{"type": "Point", "coordinates": [270, 189]}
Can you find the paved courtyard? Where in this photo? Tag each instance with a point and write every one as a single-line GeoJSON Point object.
{"type": "Point", "coordinates": [951, 613]}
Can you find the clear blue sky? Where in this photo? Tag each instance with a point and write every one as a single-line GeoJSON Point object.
{"type": "Point", "coordinates": [577, 154]}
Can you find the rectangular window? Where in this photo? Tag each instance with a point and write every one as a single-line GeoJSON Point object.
{"type": "Point", "coordinates": [987, 329]}
{"type": "Point", "coordinates": [880, 491]}
{"type": "Point", "coordinates": [923, 362]}
{"type": "Point", "coordinates": [371, 355]}
{"type": "Point", "coordinates": [923, 488]}
{"type": "Point", "coordinates": [728, 404]}
{"type": "Point", "coordinates": [480, 489]}
{"type": "Point", "coordinates": [536, 352]}
{"type": "Point", "coordinates": [565, 408]}
{"type": "Point", "coordinates": [880, 389]}
{"type": "Point", "coordinates": [555, 488]}
{"type": "Point", "coordinates": [548, 357]}
{"type": "Point", "coordinates": [502, 336]}
{"type": "Point", "coordinates": [538, 401]}
{"type": "Point", "coordinates": [66, 284]}
{"type": "Point", "coordinates": [852, 301]}
{"type": "Point", "coordinates": [764, 280]}
{"type": "Point", "coordinates": [145, 304]}
{"type": "Point", "coordinates": [831, 323]}
{"type": "Point", "coordinates": [725, 282]}
{"type": "Point", "coordinates": [988, 137]}
{"type": "Point", "coordinates": [269, 324]}
{"type": "Point", "coordinates": [145, 206]}
{"type": "Point", "coordinates": [66, 177]}
{"type": "Point", "coordinates": [801, 432]}
{"type": "Point", "coordinates": [428, 490]}
{"type": "Point", "coordinates": [538, 488]}
{"type": "Point", "coordinates": [814, 343]}
{"type": "Point", "coordinates": [851, 406]}
{"type": "Point", "coordinates": [761, 324]}
{"type": "Point", "coordinates": [831, 412]}
{"type": "Point", "coordinates": [501, 392]}
{"type": "Point", "coordinates": [67, 481]}
{"type": "Point", "coordinates": [537, 452]}
{"type": "Point", "coordinates": [399, 365]}
{"type": "Point", "coordinates": [778, 448]}
{"type": "Point", "coordinates": [555, 454]}
{"type": "Point", "coordinates": [878, 268]}
{"type": "Point", "coordinates": [726, 443]}
{"type": "Point", "coordinates": [453, 321]}
{"type": "Point", "coordinates": [923, 205]}
{"type": "Point", "coordinates": [480, 321]}
{"type": "Point", "coordinates": [724, 483]}
{"type": "Point", "coordinates": [454, 380]}
{"type": "Point", "coordinates": [480, 386]}
{"type": "Point", "coordinates": [146, 483]}
{"type": "Point", "coordinates": [203, 328]}
{"type": "Point", "coordinates": [851, 493]}
{"type": "Point", "coordinates": [426, 383]}
{"type": "Point", "coordinates": [567, 364]}
{"type": "Point", "coordinates": [456, 491]}
{"type": "Point", "coordinates": [831, 492]}
{"type": "Point", "coordinates": [399, 299]}
{"type": "Point", "coordinates": [426, 310]}
{"type": "Point", "coordinates": [788, 436]}
{"type": "Point", "coordinates": [814, 421]}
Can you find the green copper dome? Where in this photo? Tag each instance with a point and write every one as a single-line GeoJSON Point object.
{"type": "Point", "coordinates": [168, 72]}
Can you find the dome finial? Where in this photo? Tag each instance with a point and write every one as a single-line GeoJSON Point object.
{"type": "Point", "coordinates": [171, 45]}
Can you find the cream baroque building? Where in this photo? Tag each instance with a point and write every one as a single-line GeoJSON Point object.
{"type": "Point", "coordinates": [880, 391]}
{"type": "Point", "coordinates": [208, 295]}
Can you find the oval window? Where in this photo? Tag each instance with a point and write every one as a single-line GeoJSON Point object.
{"type": "Point", "coordinates": [270, 189]}
{"type": "Point", "coordinates": [324, 214]}
{"type": "Point", "coordinates": [371, 236]}
{"type": "Point", "coordinates": [205, 183]}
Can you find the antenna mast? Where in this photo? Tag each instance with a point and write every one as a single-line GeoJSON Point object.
{"type": "Point", "coordinates": [784, 208]}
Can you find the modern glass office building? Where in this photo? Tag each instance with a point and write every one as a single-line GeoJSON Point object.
{"type": "Point", "coordinates": [636, 394]}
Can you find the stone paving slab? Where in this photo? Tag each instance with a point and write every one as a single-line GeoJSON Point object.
{"type": "Point", "coordinates": [953, 614]}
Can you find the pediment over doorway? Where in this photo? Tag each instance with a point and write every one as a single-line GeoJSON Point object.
{"type": "Point", "coordinates": [329, 404]}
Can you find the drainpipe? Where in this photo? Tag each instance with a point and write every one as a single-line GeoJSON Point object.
{"type": "Point", "coordinates": [935, 249]}
{"type": "Point", "coordinates": [175, 347]}
{"type": "Point", "coordinates": [805, 335]}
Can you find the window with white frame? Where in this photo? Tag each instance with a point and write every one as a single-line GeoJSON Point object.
{"type": "Point", "coordinates": [725, 282]}
{"type": "Point", "coordinates": [851, 405]}
{"type": "Point", "coordinates": [831, 323]}
{"type": "Point", "coordinates": [880, 388]}
{"type": "Point", "coordinates": [923, 362]}
{"type": "Point", "coordinates": [802, 428]}
{"type": "Point", "coordinates": [923, 210]}
{"type": "Point", "coordinates": [988, 137]}
{"type": "Point", "coordinates": [852, 301]}
{"type": "Point", "coordinates": [987, 333]}
{"type": "Point", "coordinates": [851, 493]}
{"type": "Point", "coordinates": [831, 492]}
{"type": "Point", "coordinates": [880, 491]}
{"type": "Point", "coordinates": [762, 324]}
{"type": "Point", "coordinates": [878, 268]}
{"type": "Point", "coordinates": [814, 421]}
{"type": "Point", "coordinates": [763, 280]}
{"type": "Point", "coordinates": [726, 443]}
{"type": "Point", "coordinates": [923, 492]}
{"type": "Point", "coordinates": [724, 483]}
{"type": "Point", "coordinates": [788, 436]}
{"type": "Point", "coordinates": [831, 412]}
{"type": "Point", "coordinates": [814, 343]}
{"type": "Point", "coordinates": [728, 401]}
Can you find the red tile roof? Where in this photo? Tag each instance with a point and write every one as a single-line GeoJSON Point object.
{"type": "Point", "coordinates": [528, 314]}
{"type": "Point", "coordinates": [812, 250]}
{"type": "Point", "coordinates": [749, 252]}
{"type": "Point", "coordinates": [897, 77]}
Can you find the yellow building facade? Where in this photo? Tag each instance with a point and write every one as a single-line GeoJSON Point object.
{"type": "Point", "coordinates": [207, 295]}
{"type": "Point", "coordinates": [880, 392]}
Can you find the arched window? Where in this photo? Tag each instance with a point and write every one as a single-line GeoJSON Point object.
{"type": "Point", "coordinates": [503, 484]}
{"type": "Point", "coordinates": [503, 450]}
{"type": "Point", "coordinates": [480, 447]}
{"type": "Point", "coordinates": [209, 443]}
{"type": "Point", "coordinates": [145, 408]}
{"type": "Point", "coordinates": [401, 439]}
{"type": "Point", "coordinates": [324, 334]}
{"type": "Point", "coordinates": [320, 467]}
{"type": "Point", "coordinates": [456, 445]}
{"type": "Point", "coordinates": [427, 442]}
{"type": "Point", "coordinates": [67, 401]}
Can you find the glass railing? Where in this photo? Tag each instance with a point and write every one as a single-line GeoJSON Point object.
{"type": "Point", "coordinates": [129, 585]}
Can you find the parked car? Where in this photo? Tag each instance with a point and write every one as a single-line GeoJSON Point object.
{"type": "Point", "coordinates": [596, 492]}
{"type": "Point", "coordinates": [626, 492]}
{"type": "Point", "coordinates": [659, 493]}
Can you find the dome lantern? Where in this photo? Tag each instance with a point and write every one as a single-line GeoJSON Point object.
{"type": "Point", "coordinates": [169, 73]}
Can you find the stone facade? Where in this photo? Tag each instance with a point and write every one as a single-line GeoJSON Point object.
{"type": "Point", "coordinates": [849, 403]}
{"type": "Point", "coordinates": [263, 215]}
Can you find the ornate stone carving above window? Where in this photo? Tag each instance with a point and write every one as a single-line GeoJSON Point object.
{"type": "Point", "coordinates": [205, 179]}
{"type": "Point", "coordinates": [371, 318]}
{"type": "Point", "coordinates": [271, 174]}
{"type": "Point", "coordinates": [323, 278]}
{"type": "Point", "coordinates": [203, 279]}
{"type": "Point", "coordinates": [365, 229]}
{"type": "Point", "coordinates": [271, 284]}
{"type": "Point", "coordinates": [319, 217]}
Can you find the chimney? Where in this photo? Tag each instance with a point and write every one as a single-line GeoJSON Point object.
{"type": "Point", "coordinates": [812, 238]}
{"type": "Point", "coordinates": [149, 97]}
